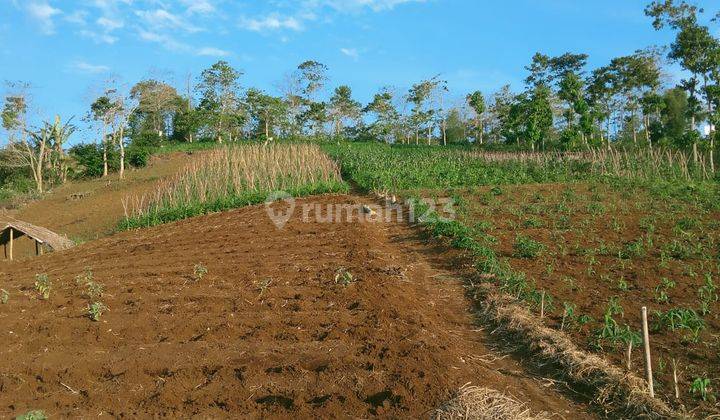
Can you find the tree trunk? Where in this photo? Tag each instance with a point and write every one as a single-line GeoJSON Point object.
{"type": "Point", "coordinates": [481, 131]}
{"type": "Point", "coordinates": [105, 160]}
{"type": "Point", "coordinates": [712, 150]}
{"type": "Point", "coordinates": [122, 152]}
{"type": "Point", "coordinates": [444, 133]}
{"type": "Point", "coordinates": [695, 146]}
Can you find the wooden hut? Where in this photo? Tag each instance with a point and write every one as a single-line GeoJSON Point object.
{"type": "Point", "coordinates": [15, 229]}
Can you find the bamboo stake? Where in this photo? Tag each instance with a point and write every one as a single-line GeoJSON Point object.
{"type": "Point", "coordinates": [675, 379]}
{"type": "Point", "coordinates": [629, 355]}
{"type": "Point", "coordinates": [542, 305]}
{"type": "Point", "coordinates": [648, 361]}
{"type": "Point", "coordinates": [12, 233]}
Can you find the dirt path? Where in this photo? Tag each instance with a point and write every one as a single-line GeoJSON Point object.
{"type": "Point", "coordinates": [267, 332]}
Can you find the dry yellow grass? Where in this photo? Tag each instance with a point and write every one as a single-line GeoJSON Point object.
{"type": "Point", "coordinates": [235, 174]}
{"type": "Point", "coordinates": [476, 403]}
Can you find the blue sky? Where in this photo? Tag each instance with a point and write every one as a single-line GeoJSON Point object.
{"type": "Point", "coordinates": [66, 48]}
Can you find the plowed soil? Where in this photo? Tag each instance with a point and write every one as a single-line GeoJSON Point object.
{"type": "Point", "coordinates": [268, 332]}
{"type": "Point", "coordinates": [588, 232]}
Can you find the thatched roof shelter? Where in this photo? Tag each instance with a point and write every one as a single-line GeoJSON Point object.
{"type": "Point", "coordinates": [14, 229]}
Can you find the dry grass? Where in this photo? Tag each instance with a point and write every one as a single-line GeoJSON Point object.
{"type": "Point", "coordinates": [616, 391]}
{"type": "Point", "coordinates": [645, 164]}
{"type": "Point", "coordinates": [235, 171]}
{"type": "Point", "coordinates": [476, 403]}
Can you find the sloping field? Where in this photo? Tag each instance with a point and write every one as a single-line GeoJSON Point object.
{"type": "Point", "coordinates": [86, 210]}
{"type": "Point", "coordinates": [271, 330]}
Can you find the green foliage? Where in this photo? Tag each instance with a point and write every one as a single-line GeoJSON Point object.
{"type": "Point", "coordinates": [89, 159]}
{"type": "Point", "coordinates": [93, 289]}
{"type": "Point", "coordinates": [661, 290]}
{"type": "Point", "coordinates": [708, 294]}
{"type": "Point", "coordinates": [33, 415]}
{"type": "Point", "coordinates": [95, 310]}
{"type": "Point", "coordinates": [380, 166]}
{"type": "Point", "coordinates": [680, 318]}
{"type": "Point", "coordinates": [43, 285]}
{"type": "Point", "coordinates": [4, 296]}
{"type": "Point", "coordinates": [344, 277]}
{"type": "Point", "coordinates": [526, 247]}
{"type": "Point", "coordinates": [633, 249]}
{"type": "Point", "coordinates": [199, 271]}
{"type": "Point", "coordinates": [701, 387]}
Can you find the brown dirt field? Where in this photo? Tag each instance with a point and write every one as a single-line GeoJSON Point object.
{"type": "Point", "coordinates": [581, 266]}
{"type": "Point", "coordinates": [267, 332]}
{"type": "Point", "coordinates": [98, 211]}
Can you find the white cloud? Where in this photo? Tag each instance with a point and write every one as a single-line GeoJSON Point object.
{"type": "Point", "coordinates": [98, 38]}
{"type": "Point", "coordinates": [166, 41]}
{"type": "Point", "coordinates": [303, 11]}
{"type": "Point", "coordinates": [44, 14]}
{"type": "Point", "coordinates": [357, 5]}
{"type": "Point", "coordinates": [87, 68]}
{"type": "Point", "coordinates": [198, 7]}
{"type": "Point", "coordinates": [171, 44]}
{"type": "Point", "coordinates": [212, 52]}
{"type": "Point", "coordinates": [271, 23]}
{"type": "Point", "coordinates": [162, 19]}
{"type": "Point", "coordinates": [78, 17]}
{"type": "Point", "coordinates": [351, 52]}
{"type": "Point", "coordinates": [109, 24]}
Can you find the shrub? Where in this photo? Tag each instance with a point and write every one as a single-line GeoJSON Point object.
{"type": "Point", "coordinates": [89, 158]}
{"type": "Point", "coordinates": [138, 156]}
{"type": "Point", "coordinates": [526, 247]}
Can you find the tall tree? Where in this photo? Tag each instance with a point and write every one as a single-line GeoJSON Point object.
{"type": "Point", "coordinates": [695, 48]}
{"type": "Point", "coordinates": [219, 88]}
{"type": "Point", "coordinates": [476, 100]}
{"type": "Point", "coordinates": [101, 111]}
{"type": "Point", "coordinates": [157, 103]}
{"type": "Point", "coordinates": [15, 110]}
{"type": "Point", "coordinates": [265, 111]}
{"type": "Point", "coordinates": [539, 117]}
{"type": "Point", "coordinates": [422, 115]}
{"type": "Point", "coordinates": [386, 116]}
{"type": "Point", "coordinates": [342, 108]}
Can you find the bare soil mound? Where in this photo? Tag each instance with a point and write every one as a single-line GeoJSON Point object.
{"type": "Point", "coordinates": [270, 331]}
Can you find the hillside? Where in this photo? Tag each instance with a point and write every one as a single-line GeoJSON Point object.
{"type": "Point", "coordinates": [269, 330]}
{"type": "Point", "coordinates": [85, 210]}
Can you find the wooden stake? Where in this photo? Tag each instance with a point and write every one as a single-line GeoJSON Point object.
{"type": "Point", "coordinates": [629, 355]}
{"type": "Point", "coordinates": [542, 305]}
{"type": "Point", "coordinates": [11, 243]}
{"type": "Point", "coordinates": [37, 248]}
{"type": "Point", "coordinates": [675, 379]}
{"type": "Point", "coordinates": [648, 360]}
